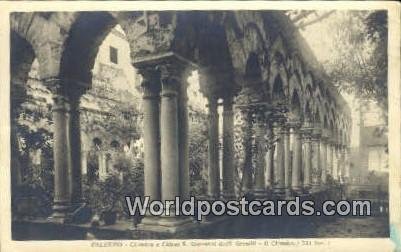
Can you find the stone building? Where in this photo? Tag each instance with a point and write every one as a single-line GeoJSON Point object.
{"type": "Point", "coordinates": [105, 133]}
{"type": "Point", "coordinates": [370, 150]}
{"type": "Point", "coordinates": [250, 62]}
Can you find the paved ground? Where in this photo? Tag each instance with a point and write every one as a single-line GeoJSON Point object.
{"type": "Point", "coordinates": [355, 227]}
{"type": "Point", "coordinates": [234, 227]}
{"type": "Point", "coordinates": [297, 227]}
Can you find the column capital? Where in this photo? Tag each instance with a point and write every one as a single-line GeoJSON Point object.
{"type": "Point", "coordinates": [55, 85]}
{"type": "Point", "coordinates": [294, 124]}
{"type": "Point", "coordinates": [259, 114]}
{"type": "Point", "coordinates": [150, 81]}
{"type": "Point", "coordinates": [66, 86]}
{"type": "Point", "coordinates": [326, 135]}
{"type": "Point", "coordinates": [174, 72]}
{"type": "Point", "coordinates": [172, 77]}
{"type": "Point", "coordinates": [277, 121]}
{"type": "Point", "coordinates": [307, 130]}
{"type": "Point", "coordinates": [316, 134]}
{"type": "Point", "coordinates": [61, 101]}
{"type": "Point", "coordinates": [276, 117]}
{"type": "Point", "coordinates": [332, 140]}
{"type": "Point", "coordinates": [169, 68]}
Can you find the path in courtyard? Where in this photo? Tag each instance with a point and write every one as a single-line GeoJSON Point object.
{"type": "Point", "coordinates": [234, 227]}
{"type": "Point", "coordinates": [287, 227]}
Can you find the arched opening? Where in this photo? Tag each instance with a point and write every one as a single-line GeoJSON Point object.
{"type": "Point", "coordinates": [308, 113]}
{"type": "Point", "coordinates": [21, 57]}
{"type": "Point", "coordinates": [97, 57]}
{"type": "Point", "coordinates": [325, 124]}
{"type": "Point", "coordinates": [295, 107]}
{"type": "Point", "coordinates": [316, 118]}
{"type": "Point", "coordinates": [197, 130]}
{"type": "Point", "coordinates": [278, 96]}
{"type": "Point", "coordinates": [86, 35]}
{"type": "Point", "coordinates": [252, 69]}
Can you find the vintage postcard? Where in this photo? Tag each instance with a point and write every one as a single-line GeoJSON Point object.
{"type": "Point", "coordinates": [147, 126]}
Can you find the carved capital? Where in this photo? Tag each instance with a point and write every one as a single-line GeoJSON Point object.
{"type": "Point", "coordinates": [277, 118]}
{"type": "Point", "coordinates": [173, 78]}
{"type": "Point", "coordinates": [150, 82]}
{"type": "Point", "coordinates": [316, 134]}
{"type": "Point", "coordinates": [306, 131]}
{"type": "Point", "coordinates": [294, 124]}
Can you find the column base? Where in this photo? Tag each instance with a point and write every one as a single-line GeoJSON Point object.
{"type": "Point", "coordinates": [316, 188]}
{"type": "Point", "coordinates": [288, 192]}
{"type": "Point", "coordinates": [260, 194]}
{"type": "Point", "coordinates": [246, 189]}
{"type": "Point", "coordinates": [296, 191]}
{"type": "Point", "coordinates": [279, 192]}
{"type": "Point", "coordinates": [307, 189]}
{"type": "Point", "coordinates": [149, 220]}
{"type": "Point", "coordinates": [211, 197]}
{"type": "Point", "coordinates": [171, 225]}
{"type": "Point", "coordinates": [64, 212]}
{"type": "Point", "coordinates": [228, 196]}
{"type": "Point", "coordinates": [60, 211]}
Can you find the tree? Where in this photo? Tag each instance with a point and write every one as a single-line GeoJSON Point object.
{"type": "Point", "coordinates": [197, 151]}
{"type": "Point", "coordinates": [359, 65]}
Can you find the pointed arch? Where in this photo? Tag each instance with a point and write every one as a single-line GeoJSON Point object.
{"type": "Point", "coordinates": [278, 94]}
{"type": "Point", "coordinates": [295, 106]}
{"type": "Point", "coordinates": [253, 70]}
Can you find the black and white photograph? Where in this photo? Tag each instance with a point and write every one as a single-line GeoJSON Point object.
{"type": "Point", "coordinates": [201, 126]}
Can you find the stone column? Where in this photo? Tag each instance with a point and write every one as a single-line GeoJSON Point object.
{"type": "Point", "coordinates": [287, 160]}
{"type": "Point", "coordinates": [151, 134]}
{"type": "Point", "coordinates": [61, 149]}
{"type": "Point", "coordinates": [259, 189]}
{"type": "Point", "coordinates": [306, 137]}
{"type": "Point", "coordinates": [170, 166]}
{"type": "Point", "coordinates": [342, 163]}
{"type": "Point", "coordinates": [279, 171]}
{"type": "Point", "coordinates": [213, 171]}
{"type": "Point", "coordinates": [84, 162]}
{"type": "Point", "coordinates": [151, 138]}
{"type": "Point", "coordinates": [166, 75]}
{"type": "Point", "coordinates": [247, 168]}
{"type": "Point", "coordinates": [335, 161]}
{"type": "Point", "coordinates": [296, 183]}
{"type": "Point", "coordinates": [323, 159]}
{"type": "Point", "coordinates": [316, 164]}
{"type": "Point", "coordinates": [183, 142]}
{"type": "Point", "coordinates": [102, 165]}
{"type": "Point", "coordinates": [228, 148]}
{"type": "Point", "coordinates": [269, 156]}
{"type": "Point", "coordinates": [75, 94]}
{"type": "Point", "coordinates": [329, 159]}
{"type": "Point", "coordinates": [347, 164]}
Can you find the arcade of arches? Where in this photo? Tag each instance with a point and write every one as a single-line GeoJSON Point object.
{"type": "Point", "coordinates": [251, 62]}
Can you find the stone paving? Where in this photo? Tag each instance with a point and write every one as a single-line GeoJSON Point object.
{"type": "Point", "coordinates": [355, 227]}
{"type": "Point", "coordinates": [232, 227]}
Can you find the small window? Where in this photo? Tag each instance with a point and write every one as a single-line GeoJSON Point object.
{"type": "Point", "coordinates": [113, 55]}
